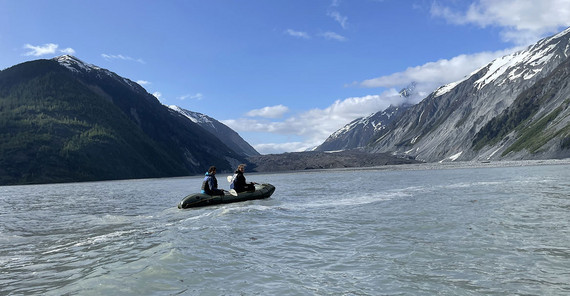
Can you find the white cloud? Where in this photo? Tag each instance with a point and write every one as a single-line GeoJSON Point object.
{"type": "Point", "coordinates": [333, 36]}
{"type": "Point", "coordinates": [268, 112]}
{"type": "Point", "coordinates": [121, 57]}
{"type": "Point", "coordinates": [434, 74]}
{"type": "Point", "coordinates": [315, 125]}
{"type": "Point", "coordinates": [522, 21]}
{"type": "Point", "coordinates": [297, 34]}
{"type": "Point", "coordinates": [341, 20]}
{"type": "Point", "coordinates": [276, 148]}
{"type": "Point", "coordinates": [158, 95]}
{"type": "Point", "coordinates": [197, 96]}
{"type": "Point", "coordinates": [335, 3]}
{"type": "Point", "coordinates": [37, 51]}
{"type": "Point", "coordinates": [143, 82]}
{"type": "Point", "coordinates": [48, 48]}
{"type": "Point", "coordinates": [68, 50]}
{"type": "Point", "coordinates": [304, 35]}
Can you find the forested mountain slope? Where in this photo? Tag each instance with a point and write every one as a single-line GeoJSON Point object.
{"type": "Point", "coordinates": [63, 120]}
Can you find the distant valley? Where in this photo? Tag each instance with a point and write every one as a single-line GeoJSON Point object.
{"type": "Point", "coordinates": [295, 161]}
{"type": "Point", "coordinates": [64, 120]}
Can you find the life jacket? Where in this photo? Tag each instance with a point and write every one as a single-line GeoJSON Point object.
{"type": "Point", "coordinates": [206, 187]}
{"type": "Point", "coordinates": [239, 183]}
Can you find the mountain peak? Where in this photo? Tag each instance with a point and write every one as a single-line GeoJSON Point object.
{"type": "Point", "coordinates": [77, 66]}
{"type": "Point", "coordinates": [527, 63]}
{"type": "Point", "coordinates": [218, 129]}
{"type": "Point", "coordinates": [515, 107]}
{"type": "Point", "coordinates": [561, 34]}
{"type": "Point", "coordinates": [74, 64]}
{"type": "Point", "coordinates": [409, 90]}
{"type": "Point", "coordinates": [67, 57]}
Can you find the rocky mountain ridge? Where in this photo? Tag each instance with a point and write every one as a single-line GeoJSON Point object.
{"type": "Point", "coordinates": [360, 131]}
{"type": "Point", "coordinates": [448, 125]}
{"type": "Point", "coordinates": [220, 130]}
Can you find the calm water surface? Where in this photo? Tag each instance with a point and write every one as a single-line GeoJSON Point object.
{"type": "Point", "coordinates": [461, 231]}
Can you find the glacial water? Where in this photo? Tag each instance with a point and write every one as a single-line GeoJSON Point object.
{"type": "Point", "coordinates": [414, 231]}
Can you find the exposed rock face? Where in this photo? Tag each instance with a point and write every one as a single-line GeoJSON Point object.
{"type": "Point", "coordinates": [220, 130]}
{"type": "Point", "coordinates": [447, 125]}
{"type": "Point", "coordinates": [360, 131]}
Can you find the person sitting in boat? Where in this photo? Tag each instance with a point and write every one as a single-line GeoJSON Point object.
{"type": "Point", "coordinates": [210, 183]}
{"type": "Point", "coordinates": [239, 184]}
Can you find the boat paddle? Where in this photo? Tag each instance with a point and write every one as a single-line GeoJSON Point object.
{"type": "Point", "coordinates": [233, 192]}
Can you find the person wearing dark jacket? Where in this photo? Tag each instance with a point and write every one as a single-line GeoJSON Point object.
{"type": "Point", "coordinates": [239, 184]}
{"type": "Point", "coordinates": [210, 183]}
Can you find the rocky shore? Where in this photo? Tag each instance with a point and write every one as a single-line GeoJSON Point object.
{"type": "Point", "coordinates": [309, 160]}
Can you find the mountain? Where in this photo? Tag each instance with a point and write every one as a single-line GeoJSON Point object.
{"type": "Point", "coordinates": [360, 131]}
{"type": "Point", "coordinates": [62, 120]}
{"type": "Point", "coordinates": [516, 107]}
{"type": "Point", "coordinates": [308, 160]}
{"type": "Point", "coordinates": [220, 130]}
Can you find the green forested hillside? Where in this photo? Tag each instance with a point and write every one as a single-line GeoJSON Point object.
{"type": "Point", "coordinates": [56, 127]}
{"type": "Point", "coordinates": [530, 115]}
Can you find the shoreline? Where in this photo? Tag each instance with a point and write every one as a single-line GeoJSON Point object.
{"type": "Point", "coordinates": [468, 164]}
{"type": "Point", "coordinates": [390, 167]}
{"type": "Point", "coordinates": [433, 166]}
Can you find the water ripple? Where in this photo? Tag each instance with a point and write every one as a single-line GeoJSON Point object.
{"type": "Point", "coordinates": [485, 231]}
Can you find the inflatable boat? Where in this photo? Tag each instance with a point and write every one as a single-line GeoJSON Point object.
{"type": "Point", "coordinates": [201, 199]}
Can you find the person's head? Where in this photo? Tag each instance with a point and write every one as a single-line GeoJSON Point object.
{"type": "Point", "coordinates": [212, 170]}
{"type": "Point", "coordinates": [241, 167]}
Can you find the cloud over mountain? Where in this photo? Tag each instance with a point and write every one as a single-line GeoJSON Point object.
{"type": "Point", "coordinates": [522, 22]}
{"type": "Point", "coordinates": [46, 49]}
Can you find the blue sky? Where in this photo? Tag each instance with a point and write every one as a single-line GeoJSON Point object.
{"type": "Point", "coordinates": [283, 74]}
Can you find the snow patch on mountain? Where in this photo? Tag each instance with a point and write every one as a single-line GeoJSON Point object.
{"type": "Point", "coordinates": [444, 124]}
{"type": "Point", "coordinates": [525, 63]}
{"type": "Point", "coordinates": [74, 64]}
{"type": "Point", "coordinates": [446, 88]}
{"type": "Point", "coordinates": [194, 116]}
{"type": "Point", "coordinates": [561, 34]}
{"type": "Point", "coordinates": [218, 129]}
{"type": "Point", "coordinates": [453, 157]}
{"type": "Point", "coordinates": [347, 128]}
{"type": "Point", "coordinates": [77, 66]}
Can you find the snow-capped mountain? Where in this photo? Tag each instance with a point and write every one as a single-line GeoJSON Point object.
{"type": "Point", "coordinates": [76, 65]}
{"type": "Point", "coordinates": [144, 109]}
{"type": "Point", "coordinates": [521, 95]}
{"type": "Point", "coordinates": [360, 131]}
{"type": "Point", "coordinates": [71, 121]}
{"type": "Point", "coordinates": [79, 67]}
{"type": "Point", "coordinates": [220, 130]}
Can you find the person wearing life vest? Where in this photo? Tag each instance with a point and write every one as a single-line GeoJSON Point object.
{"type": "Point", "coordinates": [239, 184]}
{"type": "Point", "coordinates": [210, 183]}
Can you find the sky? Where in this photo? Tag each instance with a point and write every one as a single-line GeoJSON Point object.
{"type": "Point", "coordinates": [284, 74]}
